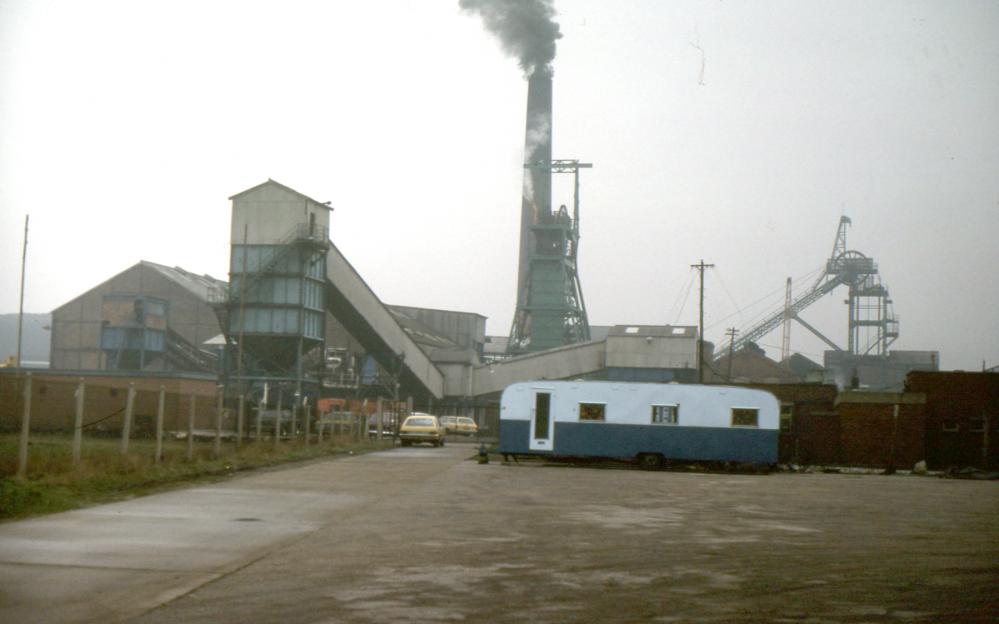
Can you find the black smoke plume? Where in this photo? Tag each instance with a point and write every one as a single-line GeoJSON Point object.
{"type": "Point", "coordinates": [525, 28]}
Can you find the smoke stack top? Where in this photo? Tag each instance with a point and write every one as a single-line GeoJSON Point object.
{"type": "Point", "coordinates": [525, 28]}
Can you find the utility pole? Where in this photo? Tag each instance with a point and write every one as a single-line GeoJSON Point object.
{"type": "Point", "coordinates": [785, 343]}
{"type": "Point", "coordinates": [20, 308]}
{"type": "Point", "coordinates": [17, 362]}
{"type": "Point", "coordinates": [700, 266]}
{"type": "Point", "coordinates": [731, 332]}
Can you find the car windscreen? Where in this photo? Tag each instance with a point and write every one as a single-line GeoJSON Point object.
{"type": "Point", "coordinates": [419, 422]}
{"type": "Point", "coordinates": [466, 421]}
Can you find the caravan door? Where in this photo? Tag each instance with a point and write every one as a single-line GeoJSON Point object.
{"type": "Point", "coordinates": [542, 421]}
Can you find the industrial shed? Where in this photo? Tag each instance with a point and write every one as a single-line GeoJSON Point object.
{"type": "Point", "coordinates": [149, 317]}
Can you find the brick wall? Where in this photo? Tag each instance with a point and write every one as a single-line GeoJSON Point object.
{"type": "Point", "coordinates": [53, 402]}
{"type": "Point", "coordinates": [960, 406]}
{"type": "Point", "coordinates": [873, 437]}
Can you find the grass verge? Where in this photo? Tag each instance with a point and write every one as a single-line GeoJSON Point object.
{"type": "Point", "coordinates": [104, 475]}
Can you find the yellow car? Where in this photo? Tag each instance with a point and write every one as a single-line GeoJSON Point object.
{"type": "Point", "coordinates": [459, 424]}
{"type": "Point", "coordinates": [421, 427]}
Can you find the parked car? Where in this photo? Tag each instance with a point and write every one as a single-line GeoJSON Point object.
{"type": "Point", "coordinates": [388, 426]}
{"type": "Point", "coordinates": [459, 424]}
{"type": "Point", "coordinates": [421, 427]}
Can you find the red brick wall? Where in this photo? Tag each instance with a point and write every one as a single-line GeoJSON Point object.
{"type": "Point", "coordinates": [848, 434]}
{"type": "Point", "coordinates": [872, 437]}
{"type": "Point", "coordinates": [815, 429]}
{"type": "Point", "coordinates": [958, 401]}
{"type": "Point", "coordinates": [814, 438]}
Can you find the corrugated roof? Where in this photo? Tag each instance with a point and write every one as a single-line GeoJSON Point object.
{"type": "Point", "coordinates": [654, 331]}
{"type": "Point", "coordinates": [421, 333]}
{"type": "Point", "coordinates": [199, 285]}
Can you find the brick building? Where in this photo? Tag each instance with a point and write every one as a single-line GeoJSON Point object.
{"type": "Point", "coordinates": [962, 417]}
{"type": "Point", "coordinates": [881, 429]}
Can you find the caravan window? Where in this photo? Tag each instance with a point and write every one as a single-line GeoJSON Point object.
{"type": "Point", "coordinates": [745, 417]}
{"type": "Point", "coordinates": [591, 411]}
{"type": "Point", "coordinates": [665, 414]}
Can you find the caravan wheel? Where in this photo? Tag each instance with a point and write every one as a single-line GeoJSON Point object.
{"type": "Point", "coordinates": [650, 461]}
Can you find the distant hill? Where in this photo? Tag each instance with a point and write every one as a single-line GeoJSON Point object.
{"type": "Point", "coordinates": [34, 338]}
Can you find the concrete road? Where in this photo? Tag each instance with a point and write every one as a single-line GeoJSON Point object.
{"type": "Point", "coordinates": [420, 535]}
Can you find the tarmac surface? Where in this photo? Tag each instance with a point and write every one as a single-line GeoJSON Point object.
{"type": "Point", "coordinates": [428, 535]}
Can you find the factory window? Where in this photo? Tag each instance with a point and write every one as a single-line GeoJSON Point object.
{"type": "Point", "coordinates": [950, 425]}
{"type": "Point", "coordinates": [316, 268]}
{"type": "Point", "coordinates": [591, 411]}
{"type": "Point", "coordinates": [745, 417]}
{"type": "Point", "coordinates": [289, 263]}
{"type": "Point", "coordinates": [266, 258]}
{"type": "Point", "coordinates": [155, 308]}
{"type": "Point", "coordinates": [287, 290]}
{"type": "Point", "coordinates": [313, 325]}
{"type": "Point", "coordinates": [154, 340]}
{"type": "Point", "coordinates": [977, 424]}
{"type": "Point", "coordinates": [250, 257]}
{"type": "Point", "coordinates": [313, 295]}
{"type": "Point", "coordinates": [283, 322]}
{"type": "Point", "coordinates": [280, 290]}
{"type": "Point", "coordinates": [786, 416]}
{"type": "Point", "coordinates": [118, 338]}
{"type": "Point", "coordinates": [665, 414]}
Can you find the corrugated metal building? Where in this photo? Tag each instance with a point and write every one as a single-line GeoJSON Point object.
{"type": "Point", "coordinates": [149, 317]}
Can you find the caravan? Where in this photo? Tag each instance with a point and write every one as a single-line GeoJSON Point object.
{"type": "Point", "coordinates": [651, 423]}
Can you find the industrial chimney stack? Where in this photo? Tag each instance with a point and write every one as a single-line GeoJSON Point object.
{"type": "Point", "coordinates": [536, 205]}
{"type": "Point", "coordinates": [550, 310]}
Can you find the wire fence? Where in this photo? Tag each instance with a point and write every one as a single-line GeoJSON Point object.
{"type": "Point", "coordinates": [147, 409]}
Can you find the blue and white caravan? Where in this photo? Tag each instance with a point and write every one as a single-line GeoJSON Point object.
{"type": "Point", "coordinates": [648, 422]}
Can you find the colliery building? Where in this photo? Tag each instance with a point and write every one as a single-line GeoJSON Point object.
{"type": "Point", "coordinates": [295, 314]}
{"type": "Point", "coordinates": [296, 317]}
{"type": "Point", "coordinates": [149, 317]}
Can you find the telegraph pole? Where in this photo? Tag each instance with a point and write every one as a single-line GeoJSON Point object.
{"type": "Point", "coordinates": [700, 266]}
{"type": "Point", "coordinates": [731, 332]}
{"type": "Point", "coordinates": [20, 308]}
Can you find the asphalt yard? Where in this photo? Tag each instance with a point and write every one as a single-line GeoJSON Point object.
{"type": "Point", "coordinates": [428, 535]}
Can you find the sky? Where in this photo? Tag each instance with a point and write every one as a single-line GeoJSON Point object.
{"type": "Point", "coordinates": [737, 132]}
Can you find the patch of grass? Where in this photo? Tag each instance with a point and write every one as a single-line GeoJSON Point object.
{"type": "Point", "coordinates": [103, 475]}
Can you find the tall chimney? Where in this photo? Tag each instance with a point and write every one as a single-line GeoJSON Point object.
{"type": "Point", "coordinates": [536, 205]}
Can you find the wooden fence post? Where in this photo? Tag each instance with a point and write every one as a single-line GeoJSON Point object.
{"type": "Point", "coordinates": [239, 421]}
{"type": "Point", "coordinates": [126, 427]}
{"type": "Point", "coordinates": [261, 406]}
{"type": "Point", "coordinates": [380, 420]}
{"type": "Point", "coordinates": [305, 417]}
{"type": "Point", "coordinates": [22, 459]}
{"type": "Point", "coordinates": [190, 428]}
{"type": "Point", "coordinates": [159, 425]}
{"type": "Point", "coordinates": [78, 424]}
{"type": "Point", "coordinates": [217, 445]}
{"type": "Point", "coordinates": [277, 420]}
{"type": "Point", "coordinates": [260, 409]}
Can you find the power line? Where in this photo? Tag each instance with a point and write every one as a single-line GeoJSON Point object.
{"type": "Point", "coordinates": [686, 293]}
